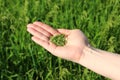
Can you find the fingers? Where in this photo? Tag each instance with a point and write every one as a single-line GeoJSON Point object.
{"type": "Point", "coordinates": [41, 30]}
{"type": "Point", "coordinates": [41, 33]}
{"type": "Point", "coordinates": [49, 46]}
{"type": "Point", "coordinates": [64, 31]}
{"type": "Point", "coordinates": [37, 34]}
{"type": "Point", "coordinates": [46, 44]}
{"type": "Point", "coordinates": [41, 42]}
{"type": "Point", "coordinates": [46, 27]}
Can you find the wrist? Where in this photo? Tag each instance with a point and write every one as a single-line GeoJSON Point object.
{"type": "Point", "coordinates": [98, 62]}
{"type": "Point", "coordinates": [90, 56]}
{"type": "Point", "coordinates": [85, 53]}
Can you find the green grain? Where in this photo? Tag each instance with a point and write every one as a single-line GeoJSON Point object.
{"type": "Point", "coordinates": [58, 40]}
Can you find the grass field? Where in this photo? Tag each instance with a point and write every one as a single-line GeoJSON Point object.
{"type": "Point", "coordinates": [22, 59]}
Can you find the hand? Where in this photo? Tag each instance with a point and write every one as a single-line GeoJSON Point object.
{"type": "Point", "coordinates": [73, 50]}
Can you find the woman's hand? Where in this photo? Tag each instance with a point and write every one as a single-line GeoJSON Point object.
{"type": "Point", "coordinates": [73, 50]}
{"type": "Point", "coordinates": [77, 50]}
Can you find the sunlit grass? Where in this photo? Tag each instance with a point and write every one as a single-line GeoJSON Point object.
{"type": "Point", "coordinates": [22, 59]}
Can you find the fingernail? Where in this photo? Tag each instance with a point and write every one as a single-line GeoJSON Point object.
{"type": "Point", "coordinates": [29, 25]}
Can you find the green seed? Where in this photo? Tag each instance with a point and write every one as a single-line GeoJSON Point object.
{"type": "Point", "coordinates": [58, 40]}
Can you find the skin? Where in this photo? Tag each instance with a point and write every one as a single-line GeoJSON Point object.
{"type": "Point", "coordinates": [76, 50]}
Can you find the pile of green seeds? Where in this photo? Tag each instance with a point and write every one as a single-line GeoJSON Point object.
{"type": "Point", "coordinates": [58, 40]}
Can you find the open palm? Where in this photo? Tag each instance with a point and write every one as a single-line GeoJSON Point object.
{"type": "Point", "coordinates": [76, 41]}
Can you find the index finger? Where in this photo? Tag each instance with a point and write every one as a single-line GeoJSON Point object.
{"type": "Point", "coordinates": [47, 28]}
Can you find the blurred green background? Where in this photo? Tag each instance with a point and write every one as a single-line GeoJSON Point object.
{"type": "Point", "coordinates": [22, 59]}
